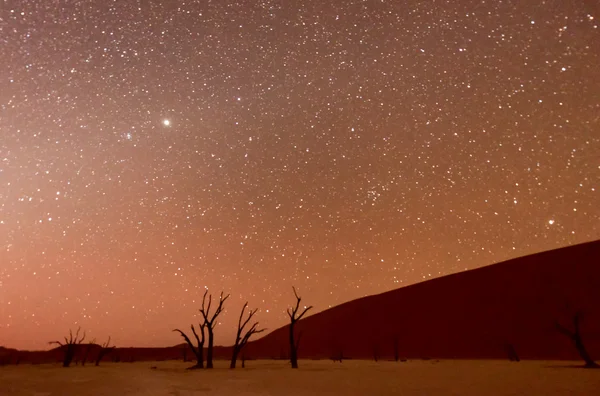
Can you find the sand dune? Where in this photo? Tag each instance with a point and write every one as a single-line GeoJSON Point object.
{"type": "Point", "coordinates": [473, 314]}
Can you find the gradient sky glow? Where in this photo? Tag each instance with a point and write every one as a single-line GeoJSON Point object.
{"type": "Point", "coordinates": [150, 149]}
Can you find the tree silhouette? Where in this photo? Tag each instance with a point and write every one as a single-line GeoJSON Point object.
{"type": "Point", "coordinates": [337, 356]}
{"type": "Point", "coordinates": [89, 347]}
{"type": "Point", "coordinates": [209, 322]}
{"type": "Point", "coordinates": [375, 349]}
{"type": "Point", "coordinates": [575, 336]}
{"type": "Point", "coordinates": [105, 349]}
{"type": "Point", "coordinates": [295, 317]}
{"type": "Point", "coordinates": [513, 356]}
{"type": "Point", "coordinates": [396, 346]}
{"type": "Point", "coordinates": [70, 346]}
{"type": "Point", "coordinates": [241, 340]}
{"type": "Point", "coordinates": [197, 350]}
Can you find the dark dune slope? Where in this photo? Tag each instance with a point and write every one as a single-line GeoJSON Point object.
{"type": "Point", "coordinates": [473, 314]}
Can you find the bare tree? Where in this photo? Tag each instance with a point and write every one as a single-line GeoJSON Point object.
{"type": "Point", "coordinates": [396, 348]}
{"type": "Point", "coordinates": [375, 348]}
{"type": "Point", "coordinates": [575, 336]}
{"type": "Point", "coordinates": [513, 356]}
{"type": "Point", "coordinates": [241, 340]}
{"type": "Point", "coordinates": [90, 345]}
{"type": "Point", "coordinates": [209, 322]}
{"type": "Point", "coordinates": [105, 349]}
{"type": "Point", "coordinates": [337, 356]}
{"type": "Point", "coordinates": [70, 346]}
{"type": "Point", "coordinates": [295, 317]}
{"type": "Point", "coordinates": [197, 350]}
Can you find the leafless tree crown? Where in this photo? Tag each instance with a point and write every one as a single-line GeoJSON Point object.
{"type": "Point", "coordinates": [71, 340]}
{"type": "Point", "coordinates": [293, 312]}
{"type": "Point", "coordinates": [205, 310]}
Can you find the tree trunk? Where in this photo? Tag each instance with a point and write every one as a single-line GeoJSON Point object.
{"type": "Point", "coordinates": [200, 356]}
{"type": "Point", "coordinates": [103, 352]}
{"type": "Point", "coordinates": [86, 355]}
{"type": "Point", "coordinates": [295, 317]}
{"type": "Point", "coordinates": [209, 353]}
{"type": "Point", "coordinates": [199, 362]}
{"type": "Point", "coordinates": [69, 354]}
{"type": "Point", "coordinates": [512, 353]}
{"type": "Point", "coordinates": [583, 352]}
{"type": "Point", "coordinates": [293, 351]}
{"type": "Point", "coordinates": [234, 356]}
{"type": "Point", "coordinates": [396, 350]}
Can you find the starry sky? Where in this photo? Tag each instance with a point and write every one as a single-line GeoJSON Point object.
{"type": "Point", "coordinates": [152, 149]}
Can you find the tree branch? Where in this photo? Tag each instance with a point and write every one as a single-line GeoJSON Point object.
{"type": "Point", "coordinates": [205, 310]}
{"type": "Point", "coordinates": [185, 337]}
{"type": "Point", "coordinates": [302, 314]}
{"type": "Point", "coordinates": [107, 343]}
{"type": "Point", "coordinates": [253, 330]}
{"type": "Point", "coordinates": [564, 330]}
{"type": "Point", "coordinates": [196, 335]}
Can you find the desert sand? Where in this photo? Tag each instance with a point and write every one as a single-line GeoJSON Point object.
{"type": "Point", "coordinates": [353, 377]}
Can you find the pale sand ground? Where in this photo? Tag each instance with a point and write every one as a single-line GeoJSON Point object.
{"type": "Point", "coordinates": [313, 378]}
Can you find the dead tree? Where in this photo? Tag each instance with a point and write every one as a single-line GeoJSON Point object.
{"type": "Point", "coordinates": [337, 356]}
{"type": "Point", "coordinates": [295, 317]}
{"type": "Point", "coordinates": [241, 340]}
{"type": "Point", "coordinates": [575, 336]}
{"type": "Point", "coordinates": [105, 349]}
{"type": "Point", "coordinates": [90, 345]}
{"type": "Point", "coordinates": [209, 322]}
{"type": "Point", "coordinates": [197, 350]}
{"type": "Point", "coordinates": [70, 346]}
{"type": "Point", "coordinates": [396, 348]}
{"type": "Point", "coordinates": [513, 356]}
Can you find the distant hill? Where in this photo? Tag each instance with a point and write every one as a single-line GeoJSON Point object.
{"type": "Point", "coordinates": [472, 314]}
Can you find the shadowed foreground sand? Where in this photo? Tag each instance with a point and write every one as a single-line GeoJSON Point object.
{"type": "Point", "coordinates": [313, 378]}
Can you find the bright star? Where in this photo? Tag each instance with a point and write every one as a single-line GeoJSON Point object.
{"type": "Point", "coordinates": [166, 122]}
{"type": "Point", "coordinates": [550, 222]}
